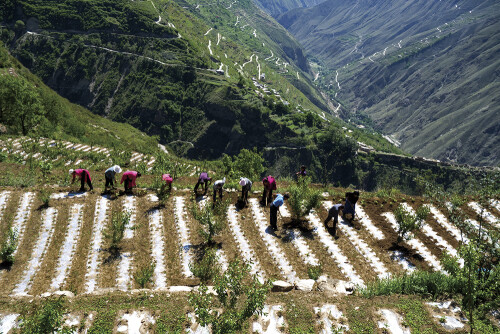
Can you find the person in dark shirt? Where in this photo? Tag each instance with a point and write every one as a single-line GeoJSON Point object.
{"type": "Point", "coordinates": [333, 213]}
{"type": "Point", "coordinates": [302, 172]}
{"type": "Point", "coordinates": [350, 205]}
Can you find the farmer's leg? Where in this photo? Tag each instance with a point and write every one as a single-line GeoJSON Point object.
{"type": "Point", "coordinates": [196, 186]}
{"type": "Point", "coordinates": [90, 183]}
{"type": "Point", "coordinates": [82, 183]}
{"type": "Point", "coordinates": [273, 216]}
{"type": "Point", "coordinates": [215, 196]}
{"type": "Point", "coordinates": [220, 193]}
{"type": "Point", "coordinates": [270, 196]}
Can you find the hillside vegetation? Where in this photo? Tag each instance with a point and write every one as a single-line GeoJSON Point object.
{"type": "Point", "coordinates": [277, 7]}
{"type": "Point", "coordinates": [423, 72]}
{"type": "Point", "coordinates": [29, 107]}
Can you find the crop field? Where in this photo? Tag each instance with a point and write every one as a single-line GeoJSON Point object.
{"type": "Point", "coordinates": [62, 249]}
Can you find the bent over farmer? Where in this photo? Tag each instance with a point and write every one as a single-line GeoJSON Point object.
{"type": "Point", "coordinates": [110, 176]}
{"type": "Point", "coordinates": [84, 176]}
{"type": "Point", "coordinates": [202, 180]}
{"type": "Point", "coordinates": [168, 182]}
{"type": "Point", "coordinates": [333, 213]}
{"type": "Point", "coordinates": [218, 185]}
{"type": "Point", "coordinates": [246, 186]}
{"type": "Point", "coordinates": [269, 183]}
{"type": "Point", "coordinates": [350, 205]}
{"type": "Point", "coordinates": [273, 210]}
{"type": "Point", "coordinates": [129, 178]}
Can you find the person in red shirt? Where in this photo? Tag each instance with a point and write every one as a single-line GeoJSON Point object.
{"type": "Point", "coordinates": [129, 178]}
{"type": "Point", "coordinates": [168, 182]}
{"type": "Point", "coordinates": [84, 176]}
{"type": "Point", "coordinates": [269, 185]}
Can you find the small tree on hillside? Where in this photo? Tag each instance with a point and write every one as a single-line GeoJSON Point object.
{"type": "Point", "coordinates": [8, 247]}
{"type": "Point", "coordinates": [212, 221]}
{"type": "Point", "coordinates": [239, 297]}
{"type": "Point", "coordinates": [408, 222]}
{"type": "Point", "coordinates": [116, 231]}
{"type": "Point", "coordinates": [303, 198]}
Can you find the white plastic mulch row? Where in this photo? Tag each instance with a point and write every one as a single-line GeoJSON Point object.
{"type": "Point", "coordinates": [429, 231]}
{"type": "Point", "coordinates": [69, 246]}
{"type": "Point", "coordinates": [298, 241]}
{"type": "Point", "coordinates": [327, 240]}
{"type": "Point", "coordinates": [244, 247]}
{"type": "Point", "coordinates": [361, 246]}
{"type": "Point", "coordinates": [158, 248]}
{"type": "Point", "coordinates": [367, 222]}
{"type": "Point", "coordinates": [441, 219]}
{"type": "Point", "coordinates": [496, 204]}
{"type": "Point", "coordinates": [488, 216]}
{"type": "Point", "coordinates": [196, 328]}
{"type": "Point", "coordinates": [329, 318]}
{"type": "Point", "coordinates": [49, 219]}
{"type": "Point", "coordinates": [271, 321]}
{"type": "Point", "coordinates": [4, 197]}
{"type": "Point", "coordinates": [183, 231]}
{"type": "Point", "coordinates": [8, 322]}
{"type": "Point", "coordinates": [273, 248]}
{"type": "Point", "coordinates": [22, 214]}
{"type": "Point", "coordinates": [392, 322]}
{"type": "Point", "coordinates": [100, 218]}
{"type": "Point", "coordinates": [135, 322]}
{"type": "Point", "coordinates": [415, 244]}
{"type": "Point", "coordinates": [123, 274]}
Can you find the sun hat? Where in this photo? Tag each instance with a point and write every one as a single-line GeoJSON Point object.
{"type": "Point", "coordinates": [71, 171]}
{"type": "Point", "coordinates": [117, 169]}
{"type": "Point", "coordinates": [242, 182]}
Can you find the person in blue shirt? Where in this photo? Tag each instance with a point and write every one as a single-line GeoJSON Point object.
{"type": "Point", "coordinates": [333, 213]}
{"type": "Point", "coordinates": [273, 210]}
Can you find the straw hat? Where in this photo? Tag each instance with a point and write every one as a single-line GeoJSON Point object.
{"type": "Point", "coordinates": [117, 169]}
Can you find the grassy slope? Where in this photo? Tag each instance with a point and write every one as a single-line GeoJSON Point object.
{"type": "Point", "coordinates": [444, 71]}
{"type": "Point", "coordinates": [76, 123]}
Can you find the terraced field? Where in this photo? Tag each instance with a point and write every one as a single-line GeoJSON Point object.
{"type": "Point", "coordinates": [62, 250]}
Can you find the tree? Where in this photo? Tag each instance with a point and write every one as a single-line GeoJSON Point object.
{"type": "Point", "coordinates": [20, 106]}
{"type": "Point", "coordinates": [212, 221]}
{"type": "Point", "coordinates": [248, 163]}
{"type": "Point", "coordinates": [336, 151]}
{"type": "Point", "coordinates": [239, 297]}
{"type": "Point", "coordinates": [303, 198]}
{"type": "Point", "coordinates": [409, 222]}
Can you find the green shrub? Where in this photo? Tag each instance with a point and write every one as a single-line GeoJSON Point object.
{"type": "Point", "coordinates": [314, 272]}
{"type": "Point", "coordinates": [206, 265]}
{"type": "Point", "coordinates": [45, 197]}
{"type": "Point", "coordinates": [408, 222]}
{"type": "Point", "coordinates": [144, 276]}
{"type": "Point", "coordinates": [116, 231]}
{"type": "Point", "coordinates": [44, 318]}
{"type": "Point", "coordinates": [211, 222]}
{"type": "Point", "coordinates": [9, 247]}
{"type": "Point", "coordinates": [303, 198]}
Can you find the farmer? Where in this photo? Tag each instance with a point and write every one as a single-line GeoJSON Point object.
{"type": "Point", "coordinates": [129, 178]}
{"type": "Point", "coordinates": [84, 176]}
{"type": "Point", "coordinates": [334, 213]}
{"type": "Point", "coordinates": [302, 172]}
{"type": "Point", "coordinates": [110, 176]}
{"type": "Point", "coordinates": [246, 186]}
{"type": "Point", "coordinates": [273, 210]}
{"type": "Point", "coordinates": [168, 182]}
{"type": "Point", "coordinates": [218, 185]}
{"type": "Point", "coordinates": [269, 185]}
{"type": "Point", "coordinates": [203, 179]}
{"type": "Point", "coordinates": [350, 205]}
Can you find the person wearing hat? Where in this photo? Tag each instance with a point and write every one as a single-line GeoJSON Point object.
{"type": "Point", "coordinates": [218, 185]}
{"type": "Point", "coordinates": [110, 176]}
{"type": "Point", "coordinates": [84, 176]}
{"type": "Point", "coordinates": [302, 172]}
{"type": "Point", "coordinates": [246, 186]}
{"type": "Point", "coordinates": [202, 180]}
{"type": "Point", "coordinates": [168, 181]}
{"type": "Point", "coordinates": [274, 208]}
{"type": "Point", "coordinates": [350, 205]}
{"type": "Point", "coordinates": [129, 178]}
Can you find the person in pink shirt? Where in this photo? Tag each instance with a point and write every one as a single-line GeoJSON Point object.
{"type": "Point", "coordinates": [129, 178]}
{"type": "Point", "coordinates": [168, 181]}
{"type": "Point", "coordinates": [84, 176]}
{"type": "Point", "coordinates": [269, 185]}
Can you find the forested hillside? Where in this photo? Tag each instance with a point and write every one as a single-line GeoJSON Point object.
{"type": "Point", "coordinates": [421, 71]}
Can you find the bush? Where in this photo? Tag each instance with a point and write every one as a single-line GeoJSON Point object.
{"type": "Point", "coordinates": [45, 318]}
{"type": "Point", "coordinates": [116, 231]}
{"type": "Point", "coordinates": [144, 276]}
{"type": "Point", "coordinates": [303, 198]}
{"type": "Point", "coordinates": [206, 266]}
{"type": "Point", "coordinates": [9, 247]}
{"type": "Point", "coordinates": [211, 220]}
{"type": "Point", "coordinates": [239, 298]}
{"type": "Point", "coordinates": [45, 197]}
{"type": "Point", "coordinates": [314, 272]}
{"type": "Point", "coordinates": [408, 222]}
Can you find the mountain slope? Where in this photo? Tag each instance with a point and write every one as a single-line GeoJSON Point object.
{"type": "Point", "coordinates": [275, 8]}
{"type": "Point", "coordinates": [424, 72]}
